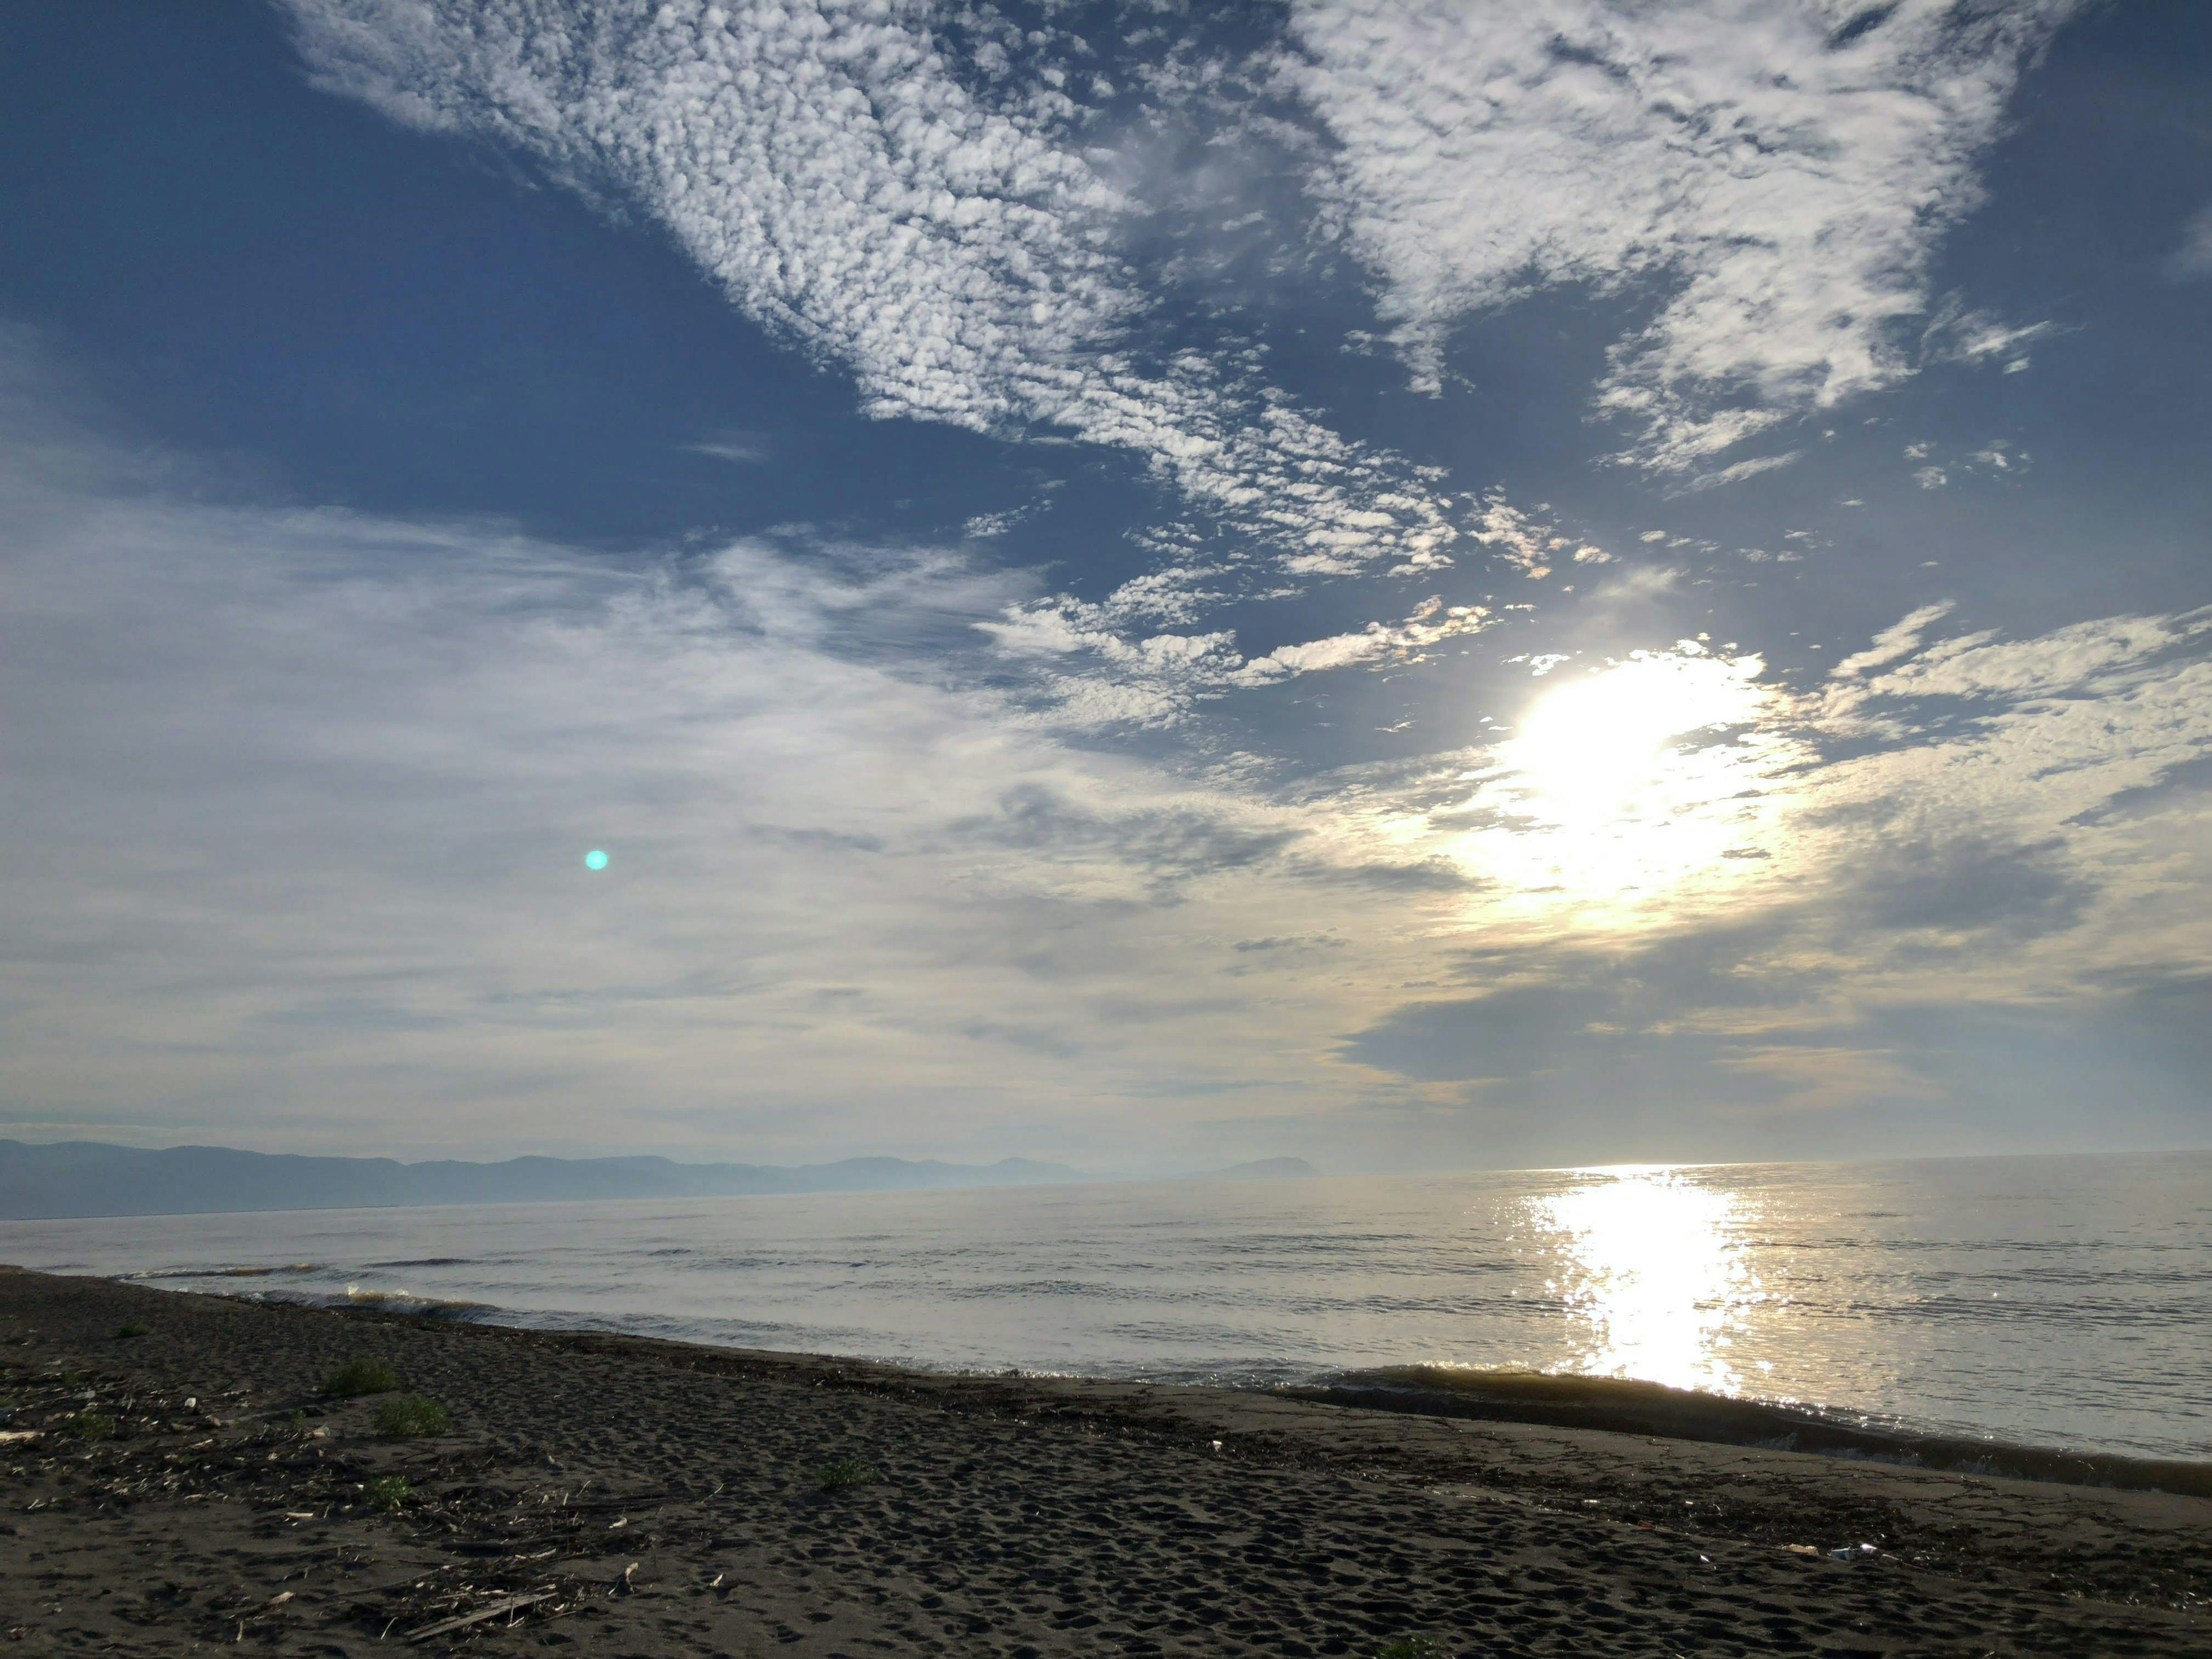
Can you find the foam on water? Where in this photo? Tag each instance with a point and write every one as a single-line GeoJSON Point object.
{"type": "Point", "coordinates": [2059, 1303]}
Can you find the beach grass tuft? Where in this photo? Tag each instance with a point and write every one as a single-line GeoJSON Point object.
{"type": "Point", "coordinates": [385, 1493]}
{"type": "Point", "coordinates": [128, 1331]}
{"type": "Point", "coordinates": [92, 1426]}
{"type": "Point", "coordinates": [360, 1376]}
{"type": "Point", "coordinates": [408, 1416]}
{"type": "Point", "coordinates": [845, 1471]}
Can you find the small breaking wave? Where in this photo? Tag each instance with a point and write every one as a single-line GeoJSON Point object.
{"type": "Point", "coordinates": [392, 1302]}
{"type": "Point", "coordinates": [1623, 1406]}
{"type": "Point", "coordinates": [402, 1302]}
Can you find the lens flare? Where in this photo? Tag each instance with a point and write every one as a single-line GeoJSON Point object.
{"type": "Point", "coordinates": [595, 859]}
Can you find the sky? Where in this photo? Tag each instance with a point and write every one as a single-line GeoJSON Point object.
{"type": "Point", "coordinates": [1416, 583]}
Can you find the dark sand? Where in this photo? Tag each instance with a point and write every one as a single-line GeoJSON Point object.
{"type": "Point", "coordinates": [663, 1499]}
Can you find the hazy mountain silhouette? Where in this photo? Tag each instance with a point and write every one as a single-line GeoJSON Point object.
{"type": "Point", "coordinates": [88, 1178]}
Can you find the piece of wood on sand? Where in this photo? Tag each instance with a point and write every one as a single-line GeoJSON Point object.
{"type": "Point", "coordinates": [489, 1610]}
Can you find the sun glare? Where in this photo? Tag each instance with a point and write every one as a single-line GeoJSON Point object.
{"type": "Point", "coordinates": [1632, 778]}
{"type": "Point", "coordinates": [1594, 746]}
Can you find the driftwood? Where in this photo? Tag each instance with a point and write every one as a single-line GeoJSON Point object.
{"type": "Point", "coordinates": [490, 1610]}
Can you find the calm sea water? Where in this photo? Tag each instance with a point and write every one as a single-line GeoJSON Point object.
{"type": "Point", "coordinates": [2052, 1302]}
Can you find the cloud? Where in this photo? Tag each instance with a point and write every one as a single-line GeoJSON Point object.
{"type": "Point", "coordinates": [1780, 174]}
{"type": "Point", "coordinates": [1518, 540]}
{"type": "Point", "coordinates": [740, 448]}
{"type": "Point", "coordinates": [1737, 924]}
{"type": "Point", "coordinates": [1899, 638]}
{"type": "Point", "coordinates": [941, 235]}
{"type": "Point", "coordinates": [2192, 260]}
{"type": "Point", "coordinates": [1100, 669]}
{"type": "Point", "coordinates": [1983, 666]}
{"type": "Point", "coordinates": [1738, 471]}
{"type": "Point", "coordinates": [306, 792]}
{"type": "Point", "coordinates": [302, 797]}
{"type": "Point", "coordinates": [1538, 1072]}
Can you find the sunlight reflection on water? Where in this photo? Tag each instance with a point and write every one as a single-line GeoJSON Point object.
{"type": "Point", "coordinates": [1654, 1275]}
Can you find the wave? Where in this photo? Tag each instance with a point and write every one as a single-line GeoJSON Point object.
{"type": "Point", "coordinates": [1622, 1405]}
{"type": "Point", "coordinates": [426, 1261]}
{"type": "Point", "coordinates": [391, 1301]}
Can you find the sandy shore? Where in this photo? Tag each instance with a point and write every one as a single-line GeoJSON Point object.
{"type": "Point", "coordinates": [617, 1497]}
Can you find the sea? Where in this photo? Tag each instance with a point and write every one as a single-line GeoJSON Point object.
{"type": "Point", "coordinates": [2062, 1302]}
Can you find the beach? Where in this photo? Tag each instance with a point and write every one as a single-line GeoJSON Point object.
{"type": "Point", "coordinates": [620, 1495]}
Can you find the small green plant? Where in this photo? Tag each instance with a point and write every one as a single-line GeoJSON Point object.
{"type": "Point", "coordinates": [847, 1471]}
{"type": "Point", "coordinates": [130, 1331]}
{"type": "Point", "coordinates": [405, 1416]}
{"type": "Point", "coordinates": [1411, 1647]}
{"type": "Point", "coordinates": [385, 1493]}
{"type": "Point", "coordinates": [92, 1426]}
{"type": "Point", "coordinates": [359, 1377]}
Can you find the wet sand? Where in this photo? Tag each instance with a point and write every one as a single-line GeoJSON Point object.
{"type": "Point", "coordinates": [619, 1497]}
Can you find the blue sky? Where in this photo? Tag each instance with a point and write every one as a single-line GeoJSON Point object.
{"type": "Point", "coordinates": [1415, 584]}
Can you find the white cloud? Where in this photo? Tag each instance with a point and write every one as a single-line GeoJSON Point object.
{"type": "Point", "coordinates": [303, 796]}
{"type": "Point", "coordinates": [1737, 472]}
{"type": "Point", "coordinates": [1431, 623]}
{"type": "Point", "coordinates": [1116, 675]}
{"type": "Point", "coordinates": [1783, 172]}
{"type": "Point", "coordinates": [2193, 258]}
{"type": "Point", "coordinates": [740, 448]}
{"type": "Point", "coordinates": [1899, 638]}
{"type": "Point", "coordinates": [1981, 665]}
{"type": "Point", "coordinates": [985, 526]}
{"type": "Point", "coordinates": [952, 248]}
{"type": "Point", "coordinates": [1524, 542]}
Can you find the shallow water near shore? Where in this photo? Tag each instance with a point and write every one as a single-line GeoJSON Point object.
{"type": "Point", "coordinates": [2039, 1301]}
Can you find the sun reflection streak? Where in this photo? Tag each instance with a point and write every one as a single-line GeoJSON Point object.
{"type": "Point", "coordinates": [1654, 1273]}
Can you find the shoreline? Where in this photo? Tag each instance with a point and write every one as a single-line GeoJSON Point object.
{"type": "Point", "coordinates": [1558, 1400]}
{"type": "Point", "coordinates": [1624, 1406]}
{"type": "Point", "coordinates": [1015, 1515]}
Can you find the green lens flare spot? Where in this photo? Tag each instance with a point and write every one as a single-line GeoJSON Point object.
{"type": "Point", "coordinates": [595, 859]}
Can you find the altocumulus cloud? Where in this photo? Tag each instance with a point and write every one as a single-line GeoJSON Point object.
{"type": "Point", "coordinates": [1781, 171]}
{"type": "Point", "coordinates": [940, 236]}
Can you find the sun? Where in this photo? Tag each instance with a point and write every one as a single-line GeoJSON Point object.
{"type": "Point", "coordinates": [1625, 783]}
{"type": "Point", "coordinates": [1595, 749]}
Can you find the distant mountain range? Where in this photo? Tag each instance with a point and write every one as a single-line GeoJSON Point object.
{"type": "Point", "coordinates": [89, 1178]}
